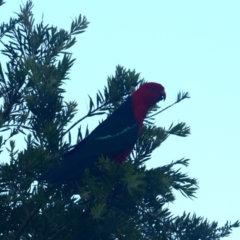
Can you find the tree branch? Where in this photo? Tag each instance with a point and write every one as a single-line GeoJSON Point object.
{"type": "Point", "coordinates": [24, 225]}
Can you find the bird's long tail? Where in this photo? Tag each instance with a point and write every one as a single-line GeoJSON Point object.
{"type": "Point", "coordinates": [69, 170]}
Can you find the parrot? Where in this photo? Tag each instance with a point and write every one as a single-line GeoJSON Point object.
{"type": "Point", "coordinates": [114, 138]}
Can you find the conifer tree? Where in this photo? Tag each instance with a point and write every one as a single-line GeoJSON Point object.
{"type": "Point", "coordinates": [111, 201]}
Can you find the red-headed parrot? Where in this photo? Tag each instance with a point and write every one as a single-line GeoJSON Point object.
{"type": "Point", "coordinates": [114, 138]}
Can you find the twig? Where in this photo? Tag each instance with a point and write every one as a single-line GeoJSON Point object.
{"type": "Point", "coordinates": [29, 218]}
{"type": "Point", "coordinates": [87, 115]}
{"type": "Point", "coordinates": [179, 99]}
{"type": "Point", "coordinates": [58, 232]}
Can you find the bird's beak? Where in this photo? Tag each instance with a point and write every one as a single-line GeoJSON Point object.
{"type": "Point", "coordinates": [162, 96]}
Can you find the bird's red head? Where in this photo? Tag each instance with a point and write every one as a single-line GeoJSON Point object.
{"type": "Point", "coordinates": [149, 94]}
{"type": "Point", "coordinates": [146, 97]}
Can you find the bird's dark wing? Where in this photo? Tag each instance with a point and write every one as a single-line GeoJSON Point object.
{"type": "Point", "coordinates": [117, 133]}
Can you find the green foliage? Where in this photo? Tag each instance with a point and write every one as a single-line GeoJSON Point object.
{"type": "Point", "coordinates": [111, 201]}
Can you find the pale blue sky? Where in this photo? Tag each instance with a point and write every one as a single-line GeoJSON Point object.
{"type": "Point", "coordinates": [185, 45]}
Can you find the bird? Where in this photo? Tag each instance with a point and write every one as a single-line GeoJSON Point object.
{"type": "Point", "coordinates": [114, 138]}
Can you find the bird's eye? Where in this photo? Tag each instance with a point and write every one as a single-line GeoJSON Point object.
{"type": "Point", "coordinates": [153, 89]}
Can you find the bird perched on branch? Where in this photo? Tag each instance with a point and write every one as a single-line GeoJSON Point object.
{"type": "Point", "coordinates": [114, 138]}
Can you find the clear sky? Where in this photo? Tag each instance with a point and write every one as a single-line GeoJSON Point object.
{"type": "Point", "coordinates": [185, 45]}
